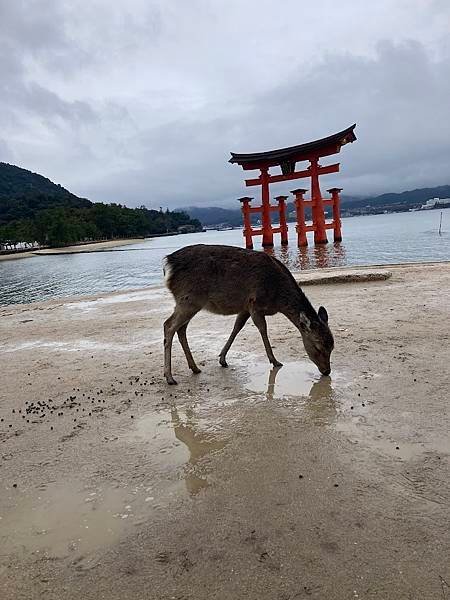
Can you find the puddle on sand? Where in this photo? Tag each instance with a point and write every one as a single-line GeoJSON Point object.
{"type": "Point", "coordinates": [69, 520]}
{"type": "Point", "coordinates": [64, 520]}
{"type": "Point", "coordinates": [178, 441]}
{"type": "Point", "coordinates": [292, 379]}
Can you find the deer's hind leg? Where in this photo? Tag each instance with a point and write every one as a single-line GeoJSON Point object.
{"type": "Point", "coordinates": [180, 317]}
{"type": "Point", "coordinates": [241, 320]}
{"type": "Point", "coordinates": [187, 351]}
{"type": "Point", "coordinates": [260, 321]}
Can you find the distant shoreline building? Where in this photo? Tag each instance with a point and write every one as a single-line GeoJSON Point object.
{"type": "Point", "coordinates": [435, 202]}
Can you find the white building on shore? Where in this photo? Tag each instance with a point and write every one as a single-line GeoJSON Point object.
{"type": "Point", "coordinates": [433, 202]}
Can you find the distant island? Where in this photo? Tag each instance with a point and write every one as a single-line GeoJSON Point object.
{"type": "Point", "coordinates": [211, 216]}
{"type": "Point", "coordinates": [34, 210]}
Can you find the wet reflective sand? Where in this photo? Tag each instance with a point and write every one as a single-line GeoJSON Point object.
{"type": "Point", "coordinates": [278, 482]}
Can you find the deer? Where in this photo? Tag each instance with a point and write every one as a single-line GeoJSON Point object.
{"type": "Point", "coordinates": [228, 280]}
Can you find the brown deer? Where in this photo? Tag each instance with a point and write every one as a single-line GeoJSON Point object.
{"type": "Point", "coordinates": [227, 280]}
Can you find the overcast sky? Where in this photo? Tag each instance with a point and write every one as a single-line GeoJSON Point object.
{"type": "Point", "coordinates": [140, 102]}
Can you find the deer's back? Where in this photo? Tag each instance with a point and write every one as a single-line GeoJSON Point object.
{"type": "Point", "coordinates": [226, 279]}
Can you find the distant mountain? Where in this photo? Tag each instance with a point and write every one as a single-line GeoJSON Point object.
{"type": "Point", "coordinates": [410, 198]}
{"type": "Point", "coordinates": [351, 205]}
{"type": "Point", "coordinates": [212, 215]}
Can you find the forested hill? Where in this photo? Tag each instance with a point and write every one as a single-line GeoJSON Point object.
{"type": "Point", "coordinates": [34, 209]}
{"type": "Point", "coordinates": [16, 182]}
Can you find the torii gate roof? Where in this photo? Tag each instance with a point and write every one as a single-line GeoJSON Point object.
{"type": "Point", "coordinates": [323, 147]}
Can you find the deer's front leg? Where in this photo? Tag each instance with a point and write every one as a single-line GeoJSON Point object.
{"type": "Point", "coordinates": [241, 320]}
{"type": "Point", "coordinates": [260, 321]}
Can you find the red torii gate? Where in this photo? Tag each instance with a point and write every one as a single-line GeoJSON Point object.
{"type": "Point", "coordinates": [286, 159]}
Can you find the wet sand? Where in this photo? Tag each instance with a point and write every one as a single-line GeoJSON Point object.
{"type": "Point", "coordinates": [244, 482]}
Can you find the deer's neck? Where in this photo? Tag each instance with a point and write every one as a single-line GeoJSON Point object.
{"type": "Point", "coordinates": [298, 307]}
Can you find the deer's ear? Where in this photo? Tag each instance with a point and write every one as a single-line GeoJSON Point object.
{"type": "Point", "coordinates": [323, 315]}
{"type": "Point", "coordinates": [305, 323]}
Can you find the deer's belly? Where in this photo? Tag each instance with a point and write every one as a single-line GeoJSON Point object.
{"type": "Point", "coordinates": [222, 308]}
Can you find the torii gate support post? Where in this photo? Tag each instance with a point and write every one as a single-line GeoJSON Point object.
{"type": "Point", "coordinates": [336, 213]}
{"type": "Point", "coordinates": [247, 222]}
{"type": "Point", "coordinates": [266, 223]}
{"type": "Point", "coordinates": [283, 224]}
{"type": "Point", "coordinates": [302, 240]}
{"type": "Point", "coordinates": [320, 233]}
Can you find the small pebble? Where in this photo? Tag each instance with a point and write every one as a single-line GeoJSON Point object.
{"type": "Point", "coordinates": [397, 447]}
{"type": "Point", "coordinates": [14, 485]}
{"type": "Point", "coordinates": [336, 485]}
{"type": "Point", "coordinates": [300, 476]}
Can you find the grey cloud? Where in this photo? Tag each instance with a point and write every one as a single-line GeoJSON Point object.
{"type": "Point", "coordinates": [142, 103]}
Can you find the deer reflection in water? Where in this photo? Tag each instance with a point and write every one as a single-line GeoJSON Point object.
{"type": "Point", "coordinates": [320, 402]}
{"type": "Point", "coordinates": [199, 445]}
{"type": "Point", "coordinates": [318, 406]}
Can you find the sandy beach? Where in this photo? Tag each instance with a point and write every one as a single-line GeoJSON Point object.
{"type": "Point", "coordinates": [240, 483]}
{"type": "Point", "coordinates": [94, 247]}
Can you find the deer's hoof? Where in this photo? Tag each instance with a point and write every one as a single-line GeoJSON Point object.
{"type": "Point", "coordinates": [277, 364]}
{"type": "Point", "coordinates": [196, 370]}
{"type": "Point", "coordinates": [171, 381]}
{"type": "Point", "coordinates": [223, 363]}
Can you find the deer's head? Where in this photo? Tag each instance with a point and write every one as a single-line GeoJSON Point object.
{"type": "Point", "coordinates": [317, 339]}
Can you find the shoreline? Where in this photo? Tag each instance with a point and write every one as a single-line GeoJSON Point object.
{"type": "Point", "coordinates": [306, 278]}
{"type": "Point", "coordinates": [90, 247]}
{"type": "Point", "coordinates": [74, 249]}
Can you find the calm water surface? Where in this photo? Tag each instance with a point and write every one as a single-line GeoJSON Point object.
{"type": "Point", "coordinates": [402, 237]}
